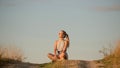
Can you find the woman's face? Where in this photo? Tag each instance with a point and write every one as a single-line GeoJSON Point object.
{"type": "Point", "coordinates": [61, 34]}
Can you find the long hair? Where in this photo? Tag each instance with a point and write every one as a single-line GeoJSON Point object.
{"type": "Point", "coordinates": [66, 37]}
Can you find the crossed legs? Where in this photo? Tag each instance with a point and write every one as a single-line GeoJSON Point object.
{"type": "Point", "coordinates": [59, 57]}
{"type": "Point", "coordinates": [52, 57]}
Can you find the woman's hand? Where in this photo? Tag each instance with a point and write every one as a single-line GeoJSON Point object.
{"type": "Point", "coordinates": [55, 56]}
{"type": "Point", "coordinates": [62, 55]}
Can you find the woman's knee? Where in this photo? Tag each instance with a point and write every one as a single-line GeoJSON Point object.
{"type": "Point", "coordinates": [49, 54]}
{"type": "Point", "coordinates": [62, 55]}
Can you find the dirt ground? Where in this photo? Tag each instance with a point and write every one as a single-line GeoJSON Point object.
{"type": "Point", "coordinates": [61, 64]}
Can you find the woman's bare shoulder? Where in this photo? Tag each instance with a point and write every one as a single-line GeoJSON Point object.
{"type": "Point", "coordinates": [56, 41]}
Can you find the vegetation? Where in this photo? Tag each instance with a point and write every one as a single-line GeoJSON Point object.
{"type": "Point", "coordinates": [111, 56]}
{"type": "Point", "coordinates": [46, 65]}
{"type": "Point", "coordinates": [10, 55]}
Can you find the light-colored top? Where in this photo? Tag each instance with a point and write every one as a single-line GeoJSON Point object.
{"type": "Point", "coordinates": [60, 45]}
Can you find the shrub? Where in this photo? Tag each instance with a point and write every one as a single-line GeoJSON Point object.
{"type": "Point", "coordinates": [10, 55]}
{"type": "Point", "coordinates": [111, 56]}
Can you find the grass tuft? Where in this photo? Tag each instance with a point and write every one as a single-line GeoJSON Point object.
{"type": "Point", "coordinates": [111, 57]}
{"type": "Point", "coordinates": [10, 55]}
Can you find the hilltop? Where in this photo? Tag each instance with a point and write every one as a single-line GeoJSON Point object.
{"type": "Point", "coordinates": [59, 64]}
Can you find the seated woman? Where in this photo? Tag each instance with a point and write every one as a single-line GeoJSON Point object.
{"type": "Point", "coordinates": [60, 47]}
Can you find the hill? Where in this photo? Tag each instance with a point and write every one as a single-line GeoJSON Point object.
{"type": "Point", "coordinates": [59, 64]}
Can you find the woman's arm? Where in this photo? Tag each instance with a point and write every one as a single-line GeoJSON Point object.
{"type": "Point", "coordinates": [65, 46]}
{"type": "Point", "coordinates": [55, 47]}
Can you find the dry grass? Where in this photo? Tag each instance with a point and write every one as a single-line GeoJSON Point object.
{"type": "Point", "coordinates": [112, 59]}
{"type": "Point", "coordinates": [10, 55]}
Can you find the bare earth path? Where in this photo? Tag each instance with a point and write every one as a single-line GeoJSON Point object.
{"type": "Point", "coordinates": [62, 64]}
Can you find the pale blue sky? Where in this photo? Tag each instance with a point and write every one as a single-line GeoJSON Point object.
{"type": "Point", "coordinates": [32, 25]}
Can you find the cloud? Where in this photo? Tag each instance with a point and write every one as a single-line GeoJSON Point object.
{"type": "Point", "coordinates": [108, 8]}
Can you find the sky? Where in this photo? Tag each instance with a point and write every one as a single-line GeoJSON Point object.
{"type": "Point", "coordinates": [33, 26]}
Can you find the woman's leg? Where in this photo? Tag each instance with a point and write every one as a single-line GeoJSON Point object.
{"type": "Point", "coordinates": [52, 57]}
{"type": "Point", "coordinates": [66, 56]}
{"type": "Point", "coordinates": [63, 56]}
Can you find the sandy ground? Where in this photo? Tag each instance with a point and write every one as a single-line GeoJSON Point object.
{"type": "Point", "coordinates": [65, 64]}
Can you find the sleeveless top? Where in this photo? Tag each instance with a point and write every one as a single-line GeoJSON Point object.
{"type": "Point", "coordinates": [60, 45]}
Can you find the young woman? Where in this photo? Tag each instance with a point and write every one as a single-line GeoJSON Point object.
{"type": "Point", "coordinates": [60, 47]}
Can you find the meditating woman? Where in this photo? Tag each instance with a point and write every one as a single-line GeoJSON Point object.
{"type": "Point", "coordinates": [60, 47]}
